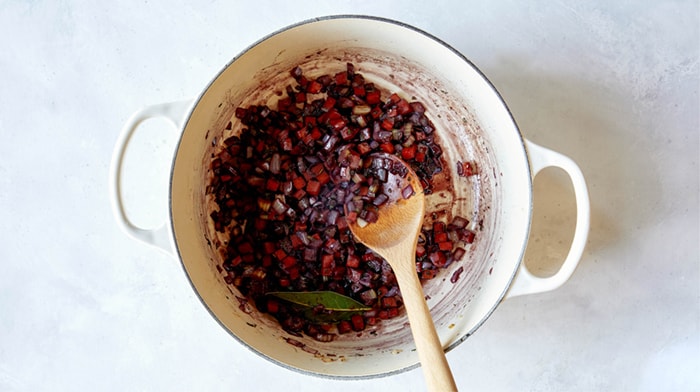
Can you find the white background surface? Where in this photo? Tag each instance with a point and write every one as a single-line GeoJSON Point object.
{"type": "Point", "coordinates": [614, 85]}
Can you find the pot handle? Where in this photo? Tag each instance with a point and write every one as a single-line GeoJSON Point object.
{"type": "Point", "coordinates": [159, 237]}
{"type": "Point", "coordinates": [527, 283]}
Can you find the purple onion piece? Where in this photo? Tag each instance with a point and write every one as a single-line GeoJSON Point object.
{"type": "Point", "coordinates": [275, 163]}
{"type": "Point", "coordinates": [456, 275]}
{"type": "Point", "coordinates": [332, 217]}
{"type": "Point", "coordinates": [380, 199]}
{"type": "Point", "coordinates": [459, 223]}
{"type": "Point", "coordinates": [459, 253]}
{"type": "Point", "coordinates": [408, 191]}
{"type": "Point", "coordinates": [382, 175]}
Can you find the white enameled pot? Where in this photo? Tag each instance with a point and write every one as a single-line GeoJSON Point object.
{"type": "Point", "coordinates": [473, 124]}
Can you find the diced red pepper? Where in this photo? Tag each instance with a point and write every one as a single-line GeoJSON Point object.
{"type": "Point", "coordinates": [327, 265]}
{"type": "Point", "coordinates": [466, 169]}
{"type": "Point", "coordinates": [364, 148]}
{"type": "Point", "coordinates": [272, 305]}
{"type": "Point", "coordinates": [313, 187]}
{"type": "Point", "coordinates": [341, 223]}
{"type": "Point", "coordinates": [338, 272]}
{"type": "Point", "coordinates": [358, 322]}
{"type": "Point", "coordinates": [389, 302]}
{"type": "Point", "coordinates": [328, 104]}
{"type": "Point", "coordinates": [317, 169]}
{"type": "Point", "coordinates": [248, 258]}
{"type": "Point", "coordinates": [298, 182]}
{"type": "Point", "coordinates": [428, 274]}
{"type": "Point", "coordinates": [280, 254]}
{"type": "Point", "coordinates": [283, 104]}
{"type": "Point", "coordinates": [341, 78]}
{"type": "Point", "coordinates": [293, 273]}
{"type": "Point", "coordinates": [266, 260]}
{"type": "Point", "coordinates": [387, 124]}
{"type": "Point", "coordinates": [323, 178]}
{"type": "Point", "coordinates": [236, 261]}
{"type": "Point", "coordinates": [302, 133]}
{"type": "Point", "coordinates": [387, 147]}
{"type": "Point", "coordinates": [314, 87]}
{"type": "Point", "coordinates": [289, 261]}
{"type": "Point", "coordinates": [241, 113]}
{"type": "Point", "coordinates": [245, 247]}
{"type": "Point", "coordinates": [352, 261]}
{"type": "Point", "coordinates": [284, 282]}
{"type": "Point", "coordinates": [363, 191]}
{"type": "Point", "coordinates": [309, 120]}
{"type": "Point", "coordinates": [373, 97]}
{"type": "Point", "coordinates": [359, 91]}
{"type": "Point", "coordinates": [344, 327]}
{"type": "Point", "coordinates": [409, 152]}
{"type": "Point", "coordinates": [272, 185]}
{"type": "Point", "coordinates": [296, 242]}
{"type": "Point", "coordinates": [337, 123]}
{"type": "Point", "coordinates": [469, 169]}
{"type": "Point", "coordinates": [403, 107]}
{"type": "Point", "coordinates": [315, 134]}
{"type": "Point", "coordinates": [381, 291]}
{"type": "Point", "coordinates": [421, 153]}
{"type": "Point", "coordinates": [367, 257]}
{"type": "Point", "coordinates": [445, 245]}
{"type": "Point", "coordinates": [260, 224]}
{"type": "Point", "coordinates": [269, 247]}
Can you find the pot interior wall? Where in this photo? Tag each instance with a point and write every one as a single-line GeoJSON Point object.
{"type": "Point", "coordinates": [473, 124]}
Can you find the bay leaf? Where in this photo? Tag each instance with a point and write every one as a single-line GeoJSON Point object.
{"type": "Point", "coordinates": [322, 306]}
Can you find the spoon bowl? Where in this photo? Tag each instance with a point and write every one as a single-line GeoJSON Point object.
{"type": "Point", "coordinates": [394, 236]}
{"type": "Point", "coordinates": [401, 218]}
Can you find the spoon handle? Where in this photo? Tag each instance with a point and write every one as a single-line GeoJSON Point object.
{"type": "Point", "coordinates": [436, 370]}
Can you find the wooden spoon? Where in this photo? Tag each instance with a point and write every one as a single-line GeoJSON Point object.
{"type": "Point", "coordinates": [394, 236]}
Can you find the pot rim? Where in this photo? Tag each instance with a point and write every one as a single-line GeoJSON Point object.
{"type": "Point", "coordinates": [523, 150]}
